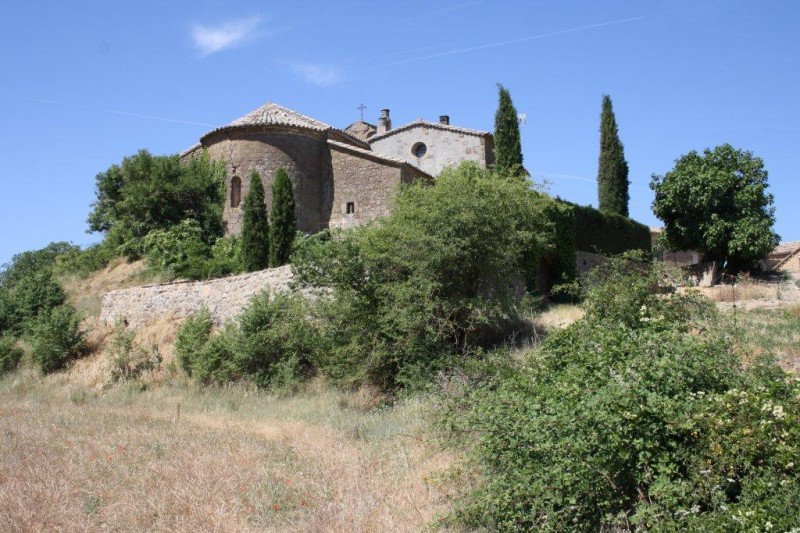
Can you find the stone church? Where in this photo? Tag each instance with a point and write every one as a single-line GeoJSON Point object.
{"type": "Point", "coordinates": [340, 177]}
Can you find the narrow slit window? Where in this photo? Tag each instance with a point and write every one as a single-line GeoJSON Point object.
{"type": "Point", "coordinates": [351, 208]}
{"type": "Point", "coordinates": [236, 191]}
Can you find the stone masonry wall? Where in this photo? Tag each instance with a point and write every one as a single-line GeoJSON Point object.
{"type": "Point", "coordinates": [304, 156]}
{"type": "Point", "coordinates": [225, 298]}
{"type": "Point", "coordinates": [368, 183]}
{"type": "Point", "coordinates": [444, 148]}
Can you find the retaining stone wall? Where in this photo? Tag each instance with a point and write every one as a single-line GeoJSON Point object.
{"type": "Point", "coordinates": [225, 298]}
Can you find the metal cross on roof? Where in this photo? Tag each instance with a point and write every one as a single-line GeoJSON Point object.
{"type": "Point", "coordinates": [361, 108]}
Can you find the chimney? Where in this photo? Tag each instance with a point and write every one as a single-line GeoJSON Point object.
{"type": "Point", "coordinates": [384, 123]}
{"type": "Point", "coordinates": [444, 119]}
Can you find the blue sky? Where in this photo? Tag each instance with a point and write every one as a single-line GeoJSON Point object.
{"type": "Point", "coordinates": [86, 83]}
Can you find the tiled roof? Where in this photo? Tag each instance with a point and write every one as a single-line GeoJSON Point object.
{"type": "Point", "coordinates": [191, 149]}
{"type": "Point", "coordinates": [374, 155]}
{"type": "Point", "coordinates": [271, 114]}
{"type": "Point", "coordinates": [426, 123]}
{"type": "Point", "coordinates": [786, 248]}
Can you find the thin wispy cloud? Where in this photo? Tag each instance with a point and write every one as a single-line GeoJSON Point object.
{"type": "Point", "coordinates": [512, 41]}
{"type": "Point", "coordinates": [316, 73]}
{"type": "Point", "coordinates": [232, 34]}
{"type": "Point", "coordinates": [115, 111]}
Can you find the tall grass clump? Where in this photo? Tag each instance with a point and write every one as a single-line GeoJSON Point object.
{"type": "Point", "coordinates": [639, 416]}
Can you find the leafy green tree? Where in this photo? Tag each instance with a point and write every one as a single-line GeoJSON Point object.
{"type": "Point", "coordinates": [255, 227]}
{"type": "Point", "coordinates": [717, 203]}
{"type": "Point", "coordinates": [147, 192]}
{"type": "Point", "coordinates": [612, 169]}
{"type": "Point", "coordinates": [507, 144]}
{"type": "Point", "coordinates": [27, 287]}
{"type": "Point", "coordinates": [27, 263]}
{"type": "Point", "coordinates": [282, 222]}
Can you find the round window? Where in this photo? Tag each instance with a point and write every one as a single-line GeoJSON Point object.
{"type": "Point", "coordinates": [419, 150]}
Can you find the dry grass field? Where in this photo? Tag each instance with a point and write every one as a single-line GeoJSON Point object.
{"type": "Point", "coordinates": [180, 459]}
{"type": "Point", "coordinates": [79, 453]}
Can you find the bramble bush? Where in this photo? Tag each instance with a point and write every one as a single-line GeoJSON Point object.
{"type": "Point", "coordinates": [639, 416]}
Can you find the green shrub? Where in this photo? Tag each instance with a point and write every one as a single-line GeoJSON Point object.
{"type": "Point", "coordinates": [273, 344]}
{"type": "Point", "coordinates": [277, 340]}
{"type": "Point", "coordinates": [86, 261]}
{"type": "Point", "coordinates": [633, 418]}
{"type": "Point", "coordinates": [226, 257]}
{"type": "Point", "coordinates": [439, 276]}
{"type": "Point", "coordinates": [179, 250]}
{"type": "Point", "coordinates": [10, 354]}
{"type": "Point", "coordinates": [28, 298]}
{"type": "Point", "coordinates": [193, 334]}
{"type": "Point", "coordinates": [128, 361]}
{"type": "Point", "coordinates": [216, 362]}
{"type": "Point", "coordinates": [26, 264]}
{"type": "Point", "coordinates": [27, 287]}
{"type": "Point", "coordinates": [56, 338]}
{"type": "Point", "coordinates": [210, 358]}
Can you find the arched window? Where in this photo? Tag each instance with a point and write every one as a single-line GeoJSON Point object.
{"type": "Point", "coordinates": [236, 191]}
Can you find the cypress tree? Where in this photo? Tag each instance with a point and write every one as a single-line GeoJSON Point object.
{"type": "Point", "coordinates": [255, 227]}
{"type": "Point", "coordinates": [612, 170]}
{"type": "Point", "coordinates": [507, 145]}
{"type": "Point", "coordinates": [283, 227]}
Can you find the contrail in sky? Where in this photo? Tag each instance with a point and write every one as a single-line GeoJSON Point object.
{"type": "Point", "coordinates": [115, 111]}
{"type": "Point", "coordinates": [511, 41]}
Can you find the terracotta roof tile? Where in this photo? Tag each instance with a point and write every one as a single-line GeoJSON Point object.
{"type": "Point", "coordinates": [271, 114]}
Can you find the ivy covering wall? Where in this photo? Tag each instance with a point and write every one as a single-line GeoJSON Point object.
{"type": "Point", "coordinates": [584, 228]}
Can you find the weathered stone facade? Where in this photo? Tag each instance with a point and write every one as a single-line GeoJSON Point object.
{"type": "Point", "coordinates": [338, 178]}
{"type": "Point", "coordinates": [366, 182]}
{"type": "Point", "coordinates": [225, 298]}
{"type": "Point", "coordinates": [304, 155]}
{"type": "Point", "coordinates": [444, 145]}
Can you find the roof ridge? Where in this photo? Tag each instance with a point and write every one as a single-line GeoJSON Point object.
{"type": "Point", "coordinates": [423, 122]}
